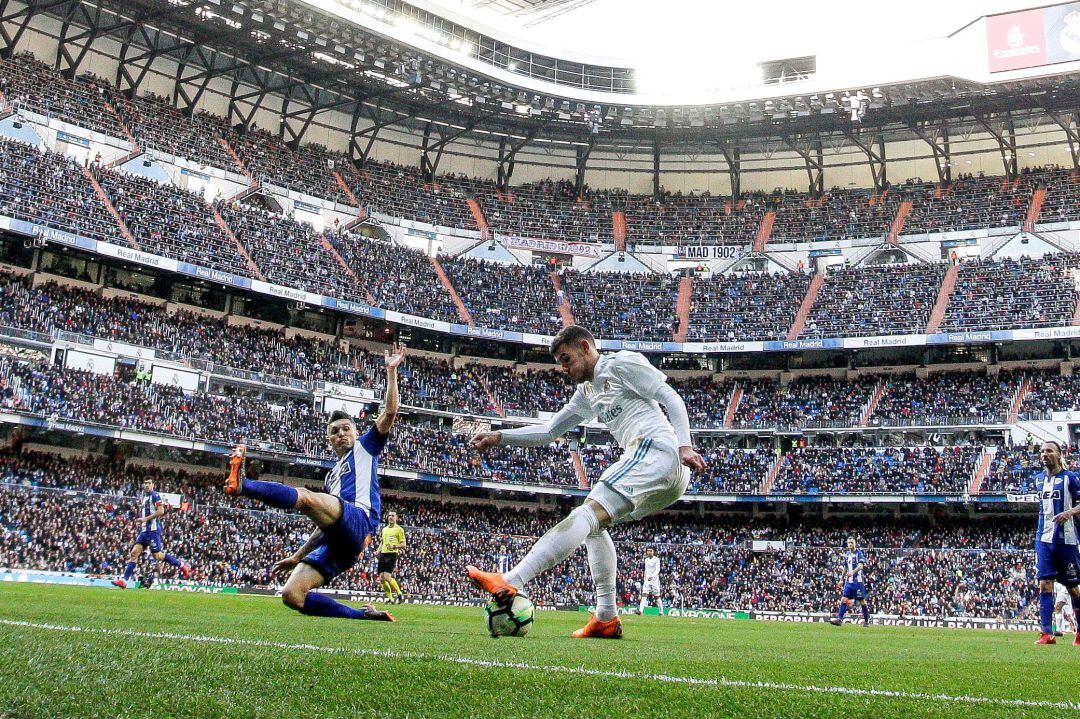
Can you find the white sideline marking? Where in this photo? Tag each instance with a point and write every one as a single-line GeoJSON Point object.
{"type": "Point", "coordinates": [578, 671]}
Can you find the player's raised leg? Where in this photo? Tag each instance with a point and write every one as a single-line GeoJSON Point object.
{"type": "Point", "coordinates": [274, 494]}
{"type": "Point", "coordinates": [297, 594]}
{"type": "Point", "coordinates": [557, 544]}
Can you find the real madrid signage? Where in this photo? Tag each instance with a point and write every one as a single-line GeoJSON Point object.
{"type": "Point", "coordinates": [712, 252]}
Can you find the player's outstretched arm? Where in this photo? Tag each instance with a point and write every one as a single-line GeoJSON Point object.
{"type": "Point", "coordinates": [388, 416]}
{"type": "Point", "coordinates": [535, 435]}
{"type": "Point", "coordinates": [290, 562]}
{"type": "Point", "coordinates": [673, 404]}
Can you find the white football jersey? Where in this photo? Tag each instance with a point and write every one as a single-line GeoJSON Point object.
{"type": "Point", "coordinates": [652, 569]}
{"type": "Point", "coordinates": [617, 396]}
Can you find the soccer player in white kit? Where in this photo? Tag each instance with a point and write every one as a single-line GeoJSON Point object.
{"type": "Point", "coordinates": [650, 585]}
{"type": "Point", "coordinates": [626, 393]}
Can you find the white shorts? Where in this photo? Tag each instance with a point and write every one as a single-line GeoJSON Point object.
{"type": "Point", "coordinates": [651, 587]}
{"type": "Point", "coordinates": [647, 478]}
{"type": "Point", "coordinates": [1061, 594]}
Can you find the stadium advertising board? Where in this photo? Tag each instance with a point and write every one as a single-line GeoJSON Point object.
{"type": "Point", "coordinates": [711, 252]}
{"type": "Point", "coordinates": [1032, 38]}
{"type": "Point", "coordinates": [892, 620]}
{"type": "Point", "coordinates": [557, 247]}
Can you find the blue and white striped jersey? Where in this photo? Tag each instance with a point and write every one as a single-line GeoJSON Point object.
{"type": "Point", "coordinates": [1058, 493]}
{"type": "Point", "coordinates": [354, 477]}
{"type": "Point", "coordinates": [150, 502]}
{"type": "Point", "coordinates": [855, 559]}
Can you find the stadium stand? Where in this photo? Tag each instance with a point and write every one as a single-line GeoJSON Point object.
{"type": "Point", "coordinates": [745, 306]}
{"type": "Point", "coordinates": [959, 569]}
{"type": "Point", "coordinates": [50, 189]}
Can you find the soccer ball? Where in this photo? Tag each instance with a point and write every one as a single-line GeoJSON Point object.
{"type": "Point", "coordinates": [511, 621]}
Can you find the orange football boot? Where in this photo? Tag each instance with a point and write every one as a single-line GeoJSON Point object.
{"type": "Point", "coordinates": [235, 482]}
{"type": "Point", "coordinates": [596, 629]}
{"type": "Point", "coordinates": [493, 583]}
{"type": "Point", "coordinates": [1045, 638]}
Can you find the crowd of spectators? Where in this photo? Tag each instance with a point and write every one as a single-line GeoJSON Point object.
{"type": "Point", "coordinates": [839, 214]}
{"type": "Point", "coordinates": [701, 219]}
{"type": "Point", "coordinates": [971, 202]}
{"type": "Point", "coordinates": [157, 124]}
{"type": "Point", "coordinates": [430, 445]}
{"type": "Point", "coordinates": [916, 569]}
{"type": "Point", "coordinates": [504, 296]}
{"type": "Point", "coordinates": [956, 398]}
{"type": "Point", "coordinates": [549, 210]}
{"type": "Point", "coordinates": [875, 300]}
{"type": "Point", "coordinates": [844, 470]}
{"type": "Point", "coordinates": [1007, 294]}
{"type": "Point", "coordinates": [288, 252]}
{"type": "Point", "coordinates": [1062, 203]}
{"type": "Point", "coordinates": [167, 220]}
{"type": "Point", "coordinates": [400, 191]}
{"type": "Point", "coordinates": [50, 189]}
{"type": "Point", "coordinates": [268, 158]}
{"type": "Point", "coordinates": [37, 87]}
{"type": "Point", "coordinates": [1050, 392]}
{"type": "Point", "coordinates": [624, 305]}
{"type": "Point", "coordinates": [806, 401]}
{"type": "Point", "coordinates": [746, 306]}
{"type": "Point", "coordinates": [398, 278]}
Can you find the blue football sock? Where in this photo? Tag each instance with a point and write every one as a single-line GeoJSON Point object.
{"type": "Point", "coordinates": [320, 605]}
{"type": "Point", "coordinates": [129, 571]}
{"type": "Point", "coordinates": [173, 560]}
{"type": "Point", "coordinates": [865, 612]}
{"type": "Point", "coordinates": [1046, 611]}
{"type": "Point", "coordinates": [1076, 608]}
{"type": "Point", "coordinates": [841, 611]}
{"type": "Point", "coordinates": [275, 494]}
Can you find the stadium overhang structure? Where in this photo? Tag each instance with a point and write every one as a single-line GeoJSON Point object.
{"type": "Point", "coordinates": [315, 62]}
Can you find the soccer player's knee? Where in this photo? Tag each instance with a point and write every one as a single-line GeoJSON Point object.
{"type": "Point", "coordinates": [303, 498]}
{"type": "Point", "coordinates": [294, 598]}
{"type": "Point", "coordinates": [586, 511]}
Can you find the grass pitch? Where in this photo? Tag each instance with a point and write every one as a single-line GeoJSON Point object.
{"type": "Point", "coordinates": [86, 652]}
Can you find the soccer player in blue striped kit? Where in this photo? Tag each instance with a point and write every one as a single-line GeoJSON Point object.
{"type": "Point", "coordinates": [346, 514]}
{"type": "Point", "coordinates": [1057, 558]}
{"type": "Point", "coordinates": [854, 592]}
{"type": "Point", "coordinates": [151, 527]}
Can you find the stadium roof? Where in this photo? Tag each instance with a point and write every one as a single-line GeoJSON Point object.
{"type": "Point", "coordinates": [320, 61]}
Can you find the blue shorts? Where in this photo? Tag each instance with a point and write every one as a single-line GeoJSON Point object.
{"type": "Point", "coordinates": [1060, 562]}
{"type": "Point", "coordinates": [855, 590]}
{"type": "Point", "coordinates": [151, 539]}
{"type": "Point", "coordinates": [341, 544]}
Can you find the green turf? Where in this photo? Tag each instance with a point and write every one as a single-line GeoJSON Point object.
{"type": "Point", "coordinates": [49, 673]}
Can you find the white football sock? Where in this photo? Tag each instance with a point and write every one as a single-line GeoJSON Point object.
{"type": "Point", "coordinates": [643, 603]}
{"type": "Point", "coordinates": [660, 604]}
{"type": "Point", "coordinates": [602, 566]}
{"type": "Point", "coordinates": [556, 545]}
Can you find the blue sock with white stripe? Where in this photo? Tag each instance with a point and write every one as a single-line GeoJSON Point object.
{"type": "Point", "coordinates": [320, 605]}
{"type": "Point", "coordinates": [1046, 611]}
{"type": "Point", "coordinates": [275, 494]}
{"type": "Point", "coordinates": [129, 571]}
{"type": "Point", "coordinates": [172, 560]}
{"type": "Point", "coordinates": [841, 611]}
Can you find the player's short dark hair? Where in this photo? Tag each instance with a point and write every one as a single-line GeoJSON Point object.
{"type": "Point", "coordinates": [339, 414]}
{"type": "Point", "coordinates": [571, 334]}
